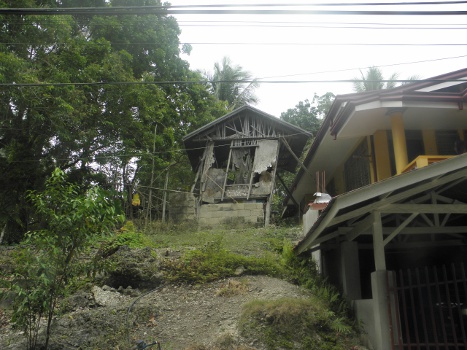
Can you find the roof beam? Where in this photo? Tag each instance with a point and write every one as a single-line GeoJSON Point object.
{"type": "Point", "coordinates": [399, 229]}
{"type": "Point", "coordinates": [424, 208]}
{"type": "Point", "coordinates": [360, 228]}
{"type": "Point", "coordinates": [438, 181]}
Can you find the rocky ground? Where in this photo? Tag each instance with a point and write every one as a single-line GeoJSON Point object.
{"type": "Point", "coordinates": [179, 317]}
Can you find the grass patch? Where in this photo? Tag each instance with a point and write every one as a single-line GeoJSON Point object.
{"type": "Point", "coordinates": [213, 262]}
{"type": "Point", "coordinates": [246, 241]}
{"type": "Point", "coordinates": [295, 324]}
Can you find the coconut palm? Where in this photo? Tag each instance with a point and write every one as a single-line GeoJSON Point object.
{"type": "Point", "coordinates": [372, 80]}
{"type": "Point", "coordinates": [232, 84]}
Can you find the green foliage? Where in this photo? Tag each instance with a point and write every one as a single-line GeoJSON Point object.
{"type": "Point", "coordinates": [294, 324]}
{"type": "Point", "coordinates": [96, 129]}
{"type": "Point", "coordinates": [308, 115]}
{"type": "Point", "coordinates": [303, 271]}
{"type": "Point", "coordinates": [227, 84]}
{"type": "Point", "coordinates": [213, 262]}
{"type": "Point", "coordinates": [128, 236]}
{"type": "Point", "coordinates": [372, 80]}
{"type": "Point", "coordinates": [49, 259]}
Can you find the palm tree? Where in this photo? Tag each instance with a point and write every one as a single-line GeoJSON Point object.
{"type": "Point", "coordinates": [372, 80]}
{"type": "Point", "coordinates": [233, 84]}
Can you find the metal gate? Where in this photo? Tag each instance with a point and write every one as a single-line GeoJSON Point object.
{"type": "Point", "coordinates": [432, 308]}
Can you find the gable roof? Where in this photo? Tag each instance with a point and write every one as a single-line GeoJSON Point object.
{"type": "Point", "coordinates": [450, 87]}
{"type": "Point", "coordinates": [438, 92]}
{"type": "Point", "coordinates": [296, 137]}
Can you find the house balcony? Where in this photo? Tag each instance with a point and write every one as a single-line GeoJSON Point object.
{"type": "Point", "coordinates": [422, 161]}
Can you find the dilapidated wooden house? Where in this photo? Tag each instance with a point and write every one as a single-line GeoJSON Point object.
{"type": "Point", "coordinates": [236, 159]}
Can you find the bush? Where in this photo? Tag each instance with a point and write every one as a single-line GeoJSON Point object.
{"type": "Point", "coordinates": [48, 260]}
{"type": "Point", "coordinates": [294, 324]}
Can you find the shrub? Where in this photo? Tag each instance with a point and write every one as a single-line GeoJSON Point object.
{"type": "Point", "coordinates": [294, 324]}
{"type": "Point", "coordinates": [48, 260]}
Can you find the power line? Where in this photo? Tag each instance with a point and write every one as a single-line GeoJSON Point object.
{"type": "Point", "coordinates": [235, 10]}
{"type": "Point", "coordinates": [323, 44]}
{"type": "Point", "coordinates": [273, 43]}
{"type": "Point", "coordinates": [288, 24]}
{"type": "Point", "coordinates": [260, 80]}
{"type": "Point", "coordinates": [354, 68]}
{"type": "Point", "coordinates": [336, 26]}
{"type": "Point", "coordinates": [181, 82]}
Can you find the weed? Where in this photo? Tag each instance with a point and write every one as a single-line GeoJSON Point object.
{"type": "Point", "coordinates": [213, 262]}
{"type": "Point", "coordinates": [293, 324]}
{"type": "Point", "coordinates": [232, 287]}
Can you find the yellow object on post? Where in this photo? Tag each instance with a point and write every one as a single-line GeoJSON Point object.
{"type": "Point", "coordinates": [136, 202]}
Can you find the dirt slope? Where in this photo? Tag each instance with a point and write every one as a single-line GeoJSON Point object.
{"type": "Point", "coordinates": [179, 317]}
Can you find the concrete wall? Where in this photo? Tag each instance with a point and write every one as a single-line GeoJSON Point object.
{"type": "Point", "coordinates": [182, 207]}
{"type": "Point", "coordinates": [309, 218]}
{"type": "Point", "coordinates": [250, 214]}
{"type": "Point", "coordinates": [364, 313]}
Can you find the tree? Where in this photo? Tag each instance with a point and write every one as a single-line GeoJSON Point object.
{"type": "Point", "coordinates": [232, 84]}
{"type": "Point", "coordinates": [308, 115]}
{"type": "Point", "coordinates": [372, 80]}
{"type": "Point", "coordinates": [79, 116]}
{"type": "Point", "coordinates": [50, 259]}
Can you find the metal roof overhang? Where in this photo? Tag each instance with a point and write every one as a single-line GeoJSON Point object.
{"type": "Point", "coordinates": [351, 205]}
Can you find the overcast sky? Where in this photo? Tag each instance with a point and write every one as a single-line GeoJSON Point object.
{"type": "Point", "coordinates": [324, 47]}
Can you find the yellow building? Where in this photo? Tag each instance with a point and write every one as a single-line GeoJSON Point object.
{"type": "Point", "coordinates": [395, 168]}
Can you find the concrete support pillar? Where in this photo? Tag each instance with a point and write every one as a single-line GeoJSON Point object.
{"type": "Point", "coordinates": [350, 268]}
{"type": "Point", "coordinates": [384, 310]}
{"type": "Point", "coordinates": [398, 140]}
{"type": "Point", "coordinates": [383, 163]}
{"type": "Point", "coordinates": [378, 242]}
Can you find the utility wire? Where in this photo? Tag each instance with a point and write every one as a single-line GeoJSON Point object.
{"type": "Point", "coordinates": [360, 68]}
{"type": "Point", "coordinates": [231, 10]}
{"type": "Point", "coordinates": [282, 24]}
{"type": "Point", "coordinates": [271, 43]}
{"type": "Point", "coordinates": [323, 44]}
{"type": "Point", "coordinates": [181, 82]}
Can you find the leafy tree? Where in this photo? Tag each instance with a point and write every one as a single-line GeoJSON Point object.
{"type": "Point", "coordinates": [50, 259]}
{"type": "Point", "coordinates": [94, 128]}
{"type": "Point", "coordinates": [308, 115]}
{"type": "Point", "coordinates": [232, 84]}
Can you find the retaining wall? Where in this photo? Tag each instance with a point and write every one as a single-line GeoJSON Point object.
{"type": "Point", "coordinates": [249, 214]}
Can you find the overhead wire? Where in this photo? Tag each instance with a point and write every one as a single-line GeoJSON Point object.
{"type": "Point", "coordinates": [184, 82]}
{"type": "Point", "coordinates": [246, 9]}
{"type": "Point", "coordinates": [275, 44]}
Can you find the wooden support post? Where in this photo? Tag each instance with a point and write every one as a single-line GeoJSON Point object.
{"type": "Point", "coordinates": [250, 184]}
{"type": "Point", "coordinates": [164, 201]}
{"type": "Point", "coordinates": [286, 144]}
{"type": "Point", "coordinates": [267, 217]}
{"type": "Point", "coordinates": [227, 171]}
{"type": "Point", "coordinates": [149, 204]}
{"type": "Point", "coordinates": [200, 166]}
{"type": "Point", "coordinates": [287, 190]}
